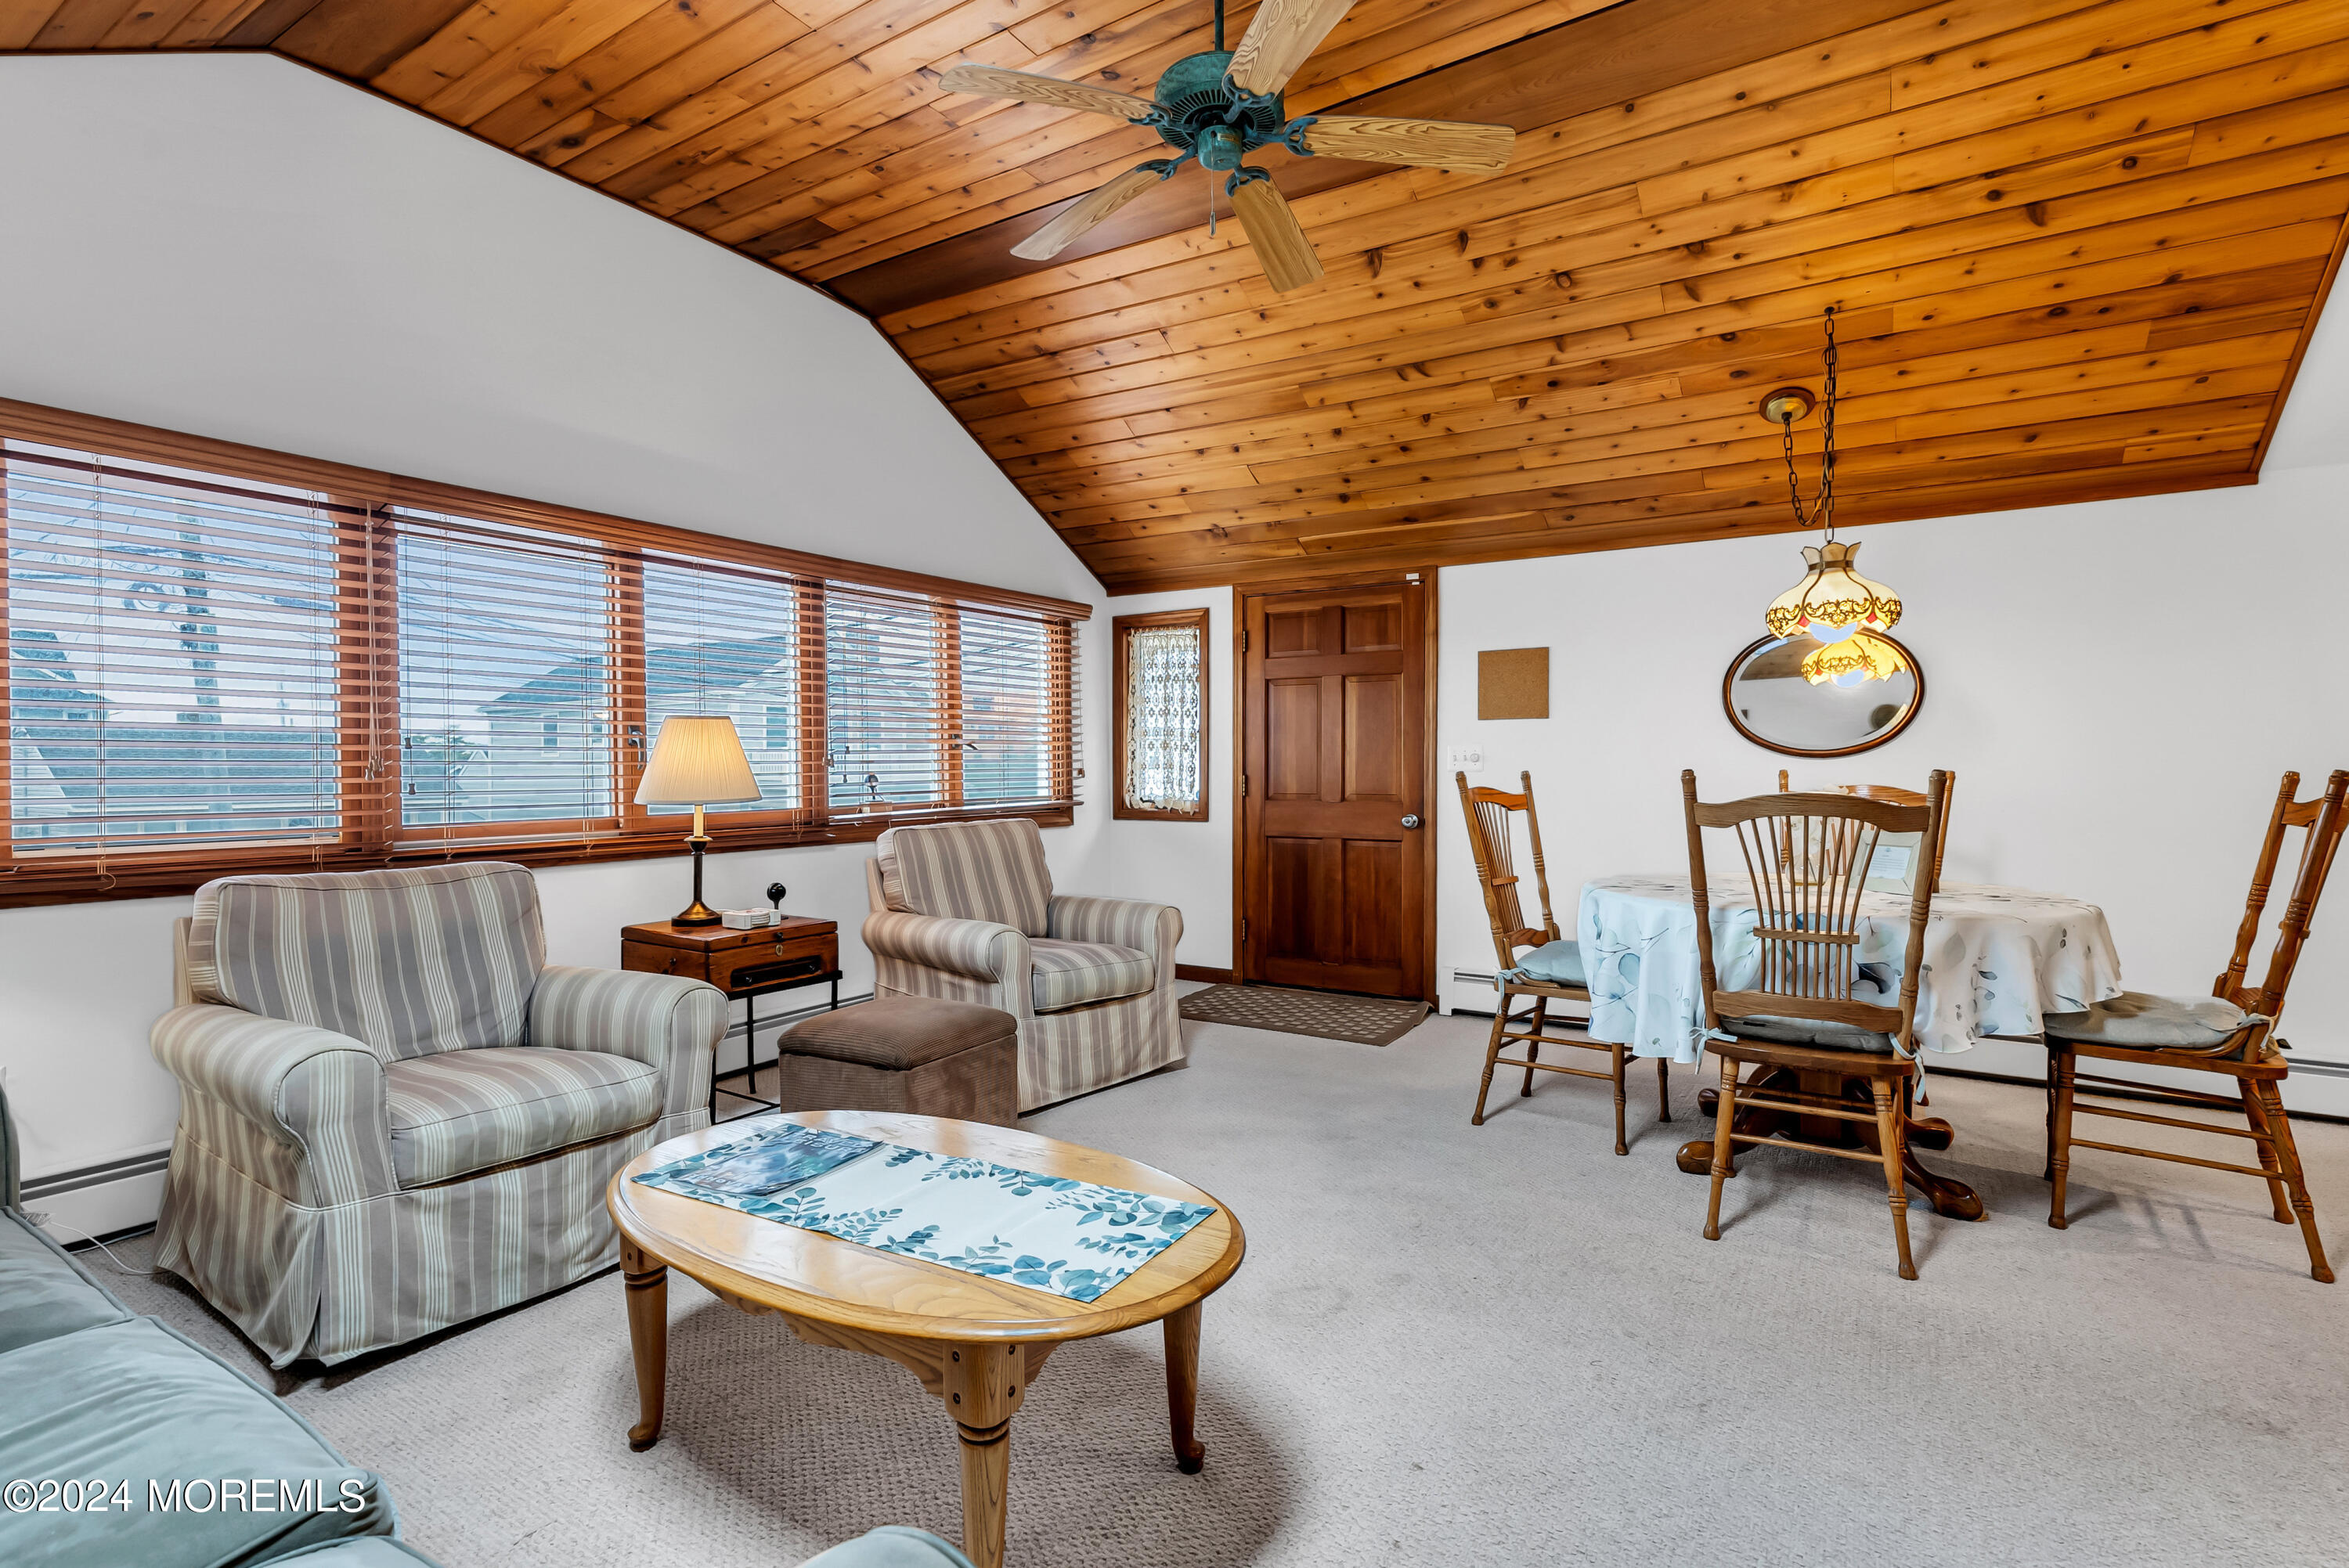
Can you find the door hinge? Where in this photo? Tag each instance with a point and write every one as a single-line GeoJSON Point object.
{"type": "Point", "coordinates": [1243, 932]}
{"type": "Point", "coordinates": [1244, 640]}
{"type": "Point", "coordinates": [1244, 794]}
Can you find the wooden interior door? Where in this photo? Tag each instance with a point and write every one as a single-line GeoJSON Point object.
{"type": "Point", "coordinates": [1334, 848]}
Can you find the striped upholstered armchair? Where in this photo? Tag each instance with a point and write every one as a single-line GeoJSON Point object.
{"type": "Point", "coordinates": [393, 1115]}
{"type": "Point", "coordinates": [966, 910]}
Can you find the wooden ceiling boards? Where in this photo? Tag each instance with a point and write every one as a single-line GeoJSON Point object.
{"type": "Point", "coordinates": [2076, 250]}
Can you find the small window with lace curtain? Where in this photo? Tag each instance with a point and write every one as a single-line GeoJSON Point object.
{"type": "Point", "coordinates": [1162, 715]}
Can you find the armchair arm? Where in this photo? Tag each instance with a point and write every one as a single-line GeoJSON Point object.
{"type": "Point", "coordinates": [319, 1091]}
{"type": "Point", "coordinates": [665, 1021]}
{"type": "Point", "coordinates": [1126, 922]}
{"type": "Point", "coordinates": [979, 949]}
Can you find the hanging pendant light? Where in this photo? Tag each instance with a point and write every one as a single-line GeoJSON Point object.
{"type": "Point", "coordinates": [1833, 604]}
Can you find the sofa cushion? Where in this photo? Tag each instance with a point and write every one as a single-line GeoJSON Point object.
{"type": "Point", "coordinates": [891, 1546]}
{"type": "Point", "coordinates": [1810, 1032]}
{"type": "Point", "coordinates": [134, 1401]}
{"type": "Point", "coordinates": [898, 1033]}
{"type": "Point", "coordinates": [970, 871]}
{"type": "Point", "coordinates": [366, 1551]}
{"type": "Point", "coordinates": [1070, 974]}
{"type": "Point", "coordinates": [438, 958]}
{"type": "Point", "coordinates": [2143, 1021]}
{"type": "Point", "coordinates": [43, 1293]}
{"type": "Point", "coordinates": [466, 1110]}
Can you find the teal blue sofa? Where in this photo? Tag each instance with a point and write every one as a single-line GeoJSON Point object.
{"type": "Point", "coordinates": [90, 1391]}
{"type": "Point", "coordinates": [123, 1443]}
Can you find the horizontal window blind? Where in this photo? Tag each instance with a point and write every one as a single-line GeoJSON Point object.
{"type": "Point", "coordinates": [173, 648]}
{"type": "Point", "coordinates": [277, 664]}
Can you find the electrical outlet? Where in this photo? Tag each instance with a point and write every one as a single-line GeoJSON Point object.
{"type": "Point", "coordinates": [1468, 758]}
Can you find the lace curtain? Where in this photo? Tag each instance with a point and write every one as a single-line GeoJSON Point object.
{"type": "Point", "coordinates": [1163, 724]}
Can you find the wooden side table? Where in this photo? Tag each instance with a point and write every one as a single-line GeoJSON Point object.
{"type": "Point", "coordinates": [745, 964]}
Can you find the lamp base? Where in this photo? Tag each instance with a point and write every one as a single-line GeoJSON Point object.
{"type": "Point", "coordinates": [697, 913]}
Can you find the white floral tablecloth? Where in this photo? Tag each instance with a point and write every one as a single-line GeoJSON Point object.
{"type": "Point", "coordinates": [1996, 959]}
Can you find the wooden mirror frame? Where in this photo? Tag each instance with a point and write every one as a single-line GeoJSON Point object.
{"type": "Point", "coordinates": [1728, 706]}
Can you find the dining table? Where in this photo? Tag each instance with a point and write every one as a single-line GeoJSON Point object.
{"type": "Point", "coordinates": [1997, 960]}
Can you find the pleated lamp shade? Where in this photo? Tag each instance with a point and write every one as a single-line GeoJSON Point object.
{"type": "Point", "coordinates": [698, 760]}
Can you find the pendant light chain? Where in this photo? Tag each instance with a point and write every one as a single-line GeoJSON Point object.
{"type": "Point", "coordinates": [1822, 513]}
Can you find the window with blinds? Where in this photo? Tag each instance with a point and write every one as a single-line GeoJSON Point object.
{"type": "Point", "coordinates": [173, 643]}
{"type": "Point", "coordinates": [265, 663]}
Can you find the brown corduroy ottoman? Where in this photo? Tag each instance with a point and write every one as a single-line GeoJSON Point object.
{"type": "Point", "coordinates": [905, 1053]}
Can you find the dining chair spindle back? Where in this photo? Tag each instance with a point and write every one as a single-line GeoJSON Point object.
{"type": "Point", "coordinates": [1898, 796]}
{"type": "Point", "coordinates": [1806, 1020]}
{"type": "Point", "coordinates": [2230, 1033]}
{"type": "Point", "coordinates": [1552, 971]}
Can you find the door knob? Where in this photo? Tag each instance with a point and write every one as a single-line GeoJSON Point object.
{"type": "Point", "coordinates": [1410, 820]}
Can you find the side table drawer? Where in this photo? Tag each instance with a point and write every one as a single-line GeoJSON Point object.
{"type": "Point", "coordinates": [653, 958]}
{"type": "Point", "coordinates": [757, 964]}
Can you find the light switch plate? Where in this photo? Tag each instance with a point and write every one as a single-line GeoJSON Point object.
{"type": "Point", "coordinates": [1469, 759]}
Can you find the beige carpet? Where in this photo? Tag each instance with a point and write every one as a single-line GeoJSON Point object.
{"type": "Point", "coordinates": [1495, 1346]}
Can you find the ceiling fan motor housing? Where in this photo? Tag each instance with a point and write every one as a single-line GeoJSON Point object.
{"type": "Point", "coordinates": [1198, 109]}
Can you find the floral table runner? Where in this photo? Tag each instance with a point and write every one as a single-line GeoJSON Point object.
{"type": "Point", "coordinates": [1075, 1239]}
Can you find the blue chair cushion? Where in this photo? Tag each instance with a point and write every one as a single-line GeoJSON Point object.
{"type": "Point", "coordinates": [43, 1293]}
{"type": "Point", "coordinates": [1552, 964]}
{"type": "Point", "coordinates": [2142, 1021]}
{"type": "Point", "coordinates": [1810, 1032]}
{"type": "Point", "coordinates": [134, 1401]}
{"type": "Point", "coordinates": [891, 1546]}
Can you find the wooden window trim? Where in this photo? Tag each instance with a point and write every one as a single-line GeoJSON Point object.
{"type": "Point", "coordinates": [367, 545]}
{"type": "Point", "coordinates": [1120, 676]}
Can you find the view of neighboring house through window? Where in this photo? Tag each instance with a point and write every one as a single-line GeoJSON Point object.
{"type": "Point", "coordinates": [505, 684]}
{"type": "Point", "coordinates": [278, 664]}
{"type": "Point", "coordinates": [171, 656]}
{"type": "Point", "coordinates": [718, 641]}
{"type": "Point", "coordinates": [1007, 681]}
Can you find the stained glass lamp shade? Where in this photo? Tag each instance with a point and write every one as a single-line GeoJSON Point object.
{"type": "Point", "coordinates": [1834, 601]}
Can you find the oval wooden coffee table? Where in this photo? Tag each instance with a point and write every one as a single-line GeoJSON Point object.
{"type": "Point", "coordinates": [975, 1343]}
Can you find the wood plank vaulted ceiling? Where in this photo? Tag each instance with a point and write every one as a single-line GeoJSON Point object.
{"type": "Point", "coordinates": [2077, 248]}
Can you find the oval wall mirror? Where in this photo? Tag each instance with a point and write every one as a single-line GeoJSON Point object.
{"type": "Point", "coordinates": [1774, 705]}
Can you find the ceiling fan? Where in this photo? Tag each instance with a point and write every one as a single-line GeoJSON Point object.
{"type": "Point", "coordinates": [1219, 106]}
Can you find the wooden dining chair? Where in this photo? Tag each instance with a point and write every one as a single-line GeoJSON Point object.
{"type": "Point", "coordinates": [1898, 796]}
{"type": "Point", "coordinates": [1802, 1023]}
{"type": "Point", "coordinates": [2231, 1032]}
{"type": "Point", "coordinates": [1552, 972]}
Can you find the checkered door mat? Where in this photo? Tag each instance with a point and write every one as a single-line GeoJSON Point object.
{"type": "Point", "coordinates": [1365, 1020]}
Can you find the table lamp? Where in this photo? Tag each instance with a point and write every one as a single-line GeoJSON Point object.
{"type": "Point", "coordinates": [697, 761]}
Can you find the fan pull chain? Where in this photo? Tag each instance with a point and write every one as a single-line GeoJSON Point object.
{"type": "Point", "coordinates": [1211, 208]}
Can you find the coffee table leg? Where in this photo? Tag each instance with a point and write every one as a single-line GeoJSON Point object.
{"type": "Point", "coordinates": [1183, 1387]}
{"type": "Point", "coordinates": [982, 1390]}
{"type": "Point", "coordinates": [647, 1280]}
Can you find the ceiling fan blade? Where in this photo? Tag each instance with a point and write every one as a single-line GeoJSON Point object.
{"type": "Point", "coordinates": [1055, 236]}
{"type": "Point", "coordinates": [1275, 236]}
{"type": "Point", "coordinates": [1432, 143]}
{"type": "Point", "coordinates": [1280, 36]}
{"type": "Point", "coordinates": [992, 81]}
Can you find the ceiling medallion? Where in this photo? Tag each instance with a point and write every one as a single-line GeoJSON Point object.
{"type": "Point", "coordinates": [1833, 605]}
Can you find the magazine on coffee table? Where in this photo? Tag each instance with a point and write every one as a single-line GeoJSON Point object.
{"type": "Point", "coordinates": [766, 1162]}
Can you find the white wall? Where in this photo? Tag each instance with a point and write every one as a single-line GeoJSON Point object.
{"type": "Point", "coordinates": [2117, 685]}
{"type": "Point", "coordinates": [238, 247]}
{"type": "Point", "coordinates": [1186, 864]}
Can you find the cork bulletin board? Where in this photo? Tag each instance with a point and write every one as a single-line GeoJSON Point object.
{"type": "Point", "coordinates": [1513, 683]}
